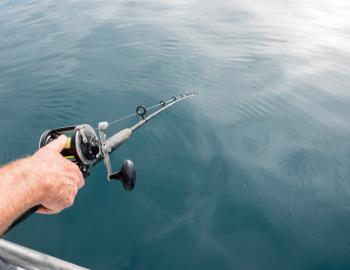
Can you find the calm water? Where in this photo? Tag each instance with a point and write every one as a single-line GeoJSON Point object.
{"type": "Point", "coordinates": [254, 173]}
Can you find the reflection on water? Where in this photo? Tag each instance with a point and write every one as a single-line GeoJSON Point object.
{"type": "Point", "coordinates": [252, 174]}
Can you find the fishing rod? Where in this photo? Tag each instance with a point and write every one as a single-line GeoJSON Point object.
{"type": "Point", "coordinates": [85, 148]}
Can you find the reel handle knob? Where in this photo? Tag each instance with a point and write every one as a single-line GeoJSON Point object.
{"type": "Point", "coordinates": [127, 175]}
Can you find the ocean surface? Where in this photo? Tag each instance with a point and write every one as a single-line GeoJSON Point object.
{"type": "Point", "coordinates": [253, 173]}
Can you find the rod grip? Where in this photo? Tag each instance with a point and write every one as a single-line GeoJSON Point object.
{"type": "Point", "coordinates": [118, 139]}
{"type": "Point", "coordinates": [23, 217]}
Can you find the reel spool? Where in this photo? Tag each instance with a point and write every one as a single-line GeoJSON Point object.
{"type": "Point", "coordinates": [82, 148]}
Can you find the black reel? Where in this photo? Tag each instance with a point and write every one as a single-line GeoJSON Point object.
{"type": "Point", "coordinates": [83, 147]}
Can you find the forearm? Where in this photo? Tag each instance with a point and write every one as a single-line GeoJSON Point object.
{"type": "Point", "coordinates": [19, 191]}
{"type": "Point", "coordinates": [46, 179]}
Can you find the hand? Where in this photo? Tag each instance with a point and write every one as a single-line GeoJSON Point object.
{"type": "Point", "coordinates": [58, 178]}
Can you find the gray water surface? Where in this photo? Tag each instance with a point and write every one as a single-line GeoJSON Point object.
{"type": "Point", "coordinates": [254, 173]}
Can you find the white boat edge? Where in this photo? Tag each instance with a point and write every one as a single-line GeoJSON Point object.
{"type": "Point", "coordinates": [28, 259]}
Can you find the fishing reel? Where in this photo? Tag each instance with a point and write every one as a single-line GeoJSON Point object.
{"type": "Point", "coordinates": [85, 149]}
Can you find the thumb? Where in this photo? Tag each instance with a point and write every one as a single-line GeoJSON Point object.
{"type": "Point", "coordinates": [58, 144]}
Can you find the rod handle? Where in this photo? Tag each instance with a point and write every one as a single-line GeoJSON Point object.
{"type": "Point", "coordinates": [23, 217]}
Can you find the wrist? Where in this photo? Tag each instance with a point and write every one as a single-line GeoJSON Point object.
{"type": "Point", "coordinates": [27, 180]}
{"type": "Point", "coordinates": [35, 174]}
{"type": "Point", "coordinates": [20, 190]}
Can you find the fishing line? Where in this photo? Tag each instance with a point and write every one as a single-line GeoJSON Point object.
{"type": "Point", "coordinates": [134, 114]}
{"type": "Point", "coordinates": [162, 103]}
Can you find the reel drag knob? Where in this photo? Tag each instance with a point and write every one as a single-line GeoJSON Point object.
{"type": "Point", "coordinates": [127, 175]}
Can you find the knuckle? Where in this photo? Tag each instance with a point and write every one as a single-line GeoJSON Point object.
{"type": "Point", "coordinates": [74, 166]}
{"type": "Point", "coordinates": [80, 174]}
{"type": "Point", "coordinates": [69, 201]}
{"type": "Point", "coordinates": [71, 165]}
{"type": "Point", "coordinates": [73, 194]}
{"type": "Point", "coordinates": [68, 195]}
{"type": "Point", "coordinates": [66, 181]}
{"type": "Point", "coordinates": [71, 178]}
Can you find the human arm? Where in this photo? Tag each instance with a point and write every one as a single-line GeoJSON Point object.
{"type": "Point", "coordinates": [46, 179]}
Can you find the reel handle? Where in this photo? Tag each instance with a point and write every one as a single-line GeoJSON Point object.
{"type": "Point", "coordinates": [127, 175]}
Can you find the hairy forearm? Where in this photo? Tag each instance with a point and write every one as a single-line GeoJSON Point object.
{"type": "Point", "coordinates": [19, 191]}
{"type": "Point", "coordinates": [45, 179]}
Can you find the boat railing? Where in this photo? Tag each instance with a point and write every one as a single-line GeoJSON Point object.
{"type": "Point", "coordinates": [26, 258]}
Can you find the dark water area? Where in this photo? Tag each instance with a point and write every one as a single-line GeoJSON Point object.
{"type": "Point", "coordinates": [254, 173]}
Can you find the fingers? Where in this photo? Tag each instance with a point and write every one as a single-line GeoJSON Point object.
{"type": "Point", "coordinates": [77, 175]}
{"type": "Point", "coordinates": [58, 144]}
{"type": "Point", "coordinates": [60, 178]}
{"type": "Point", "coordinates": [81, 180]}
{"type": "Point", "coordinates": [64, 199]}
